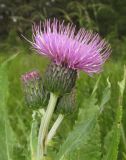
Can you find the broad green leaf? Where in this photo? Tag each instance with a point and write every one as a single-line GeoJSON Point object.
{"type": "Point", "coordinates": [106, 95]}
{"type": "Point", "coordinates": [6, 133]}
{"type": "Point", "coordinates": [5, 138]}
{"type": "Point", "coordinates": [105, 119]}
{"type": "Point", "coordinates": [113, 137]}
{"type": "Point", "coordinates": [91, 150]}
{"type": "Point", "coordinates": [82, 130]}
{"type": "Point", "coordinates": [81, 139]}
{"type": "Point", "coordinates": [96, 85]}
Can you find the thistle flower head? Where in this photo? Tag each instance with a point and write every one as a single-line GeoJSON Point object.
{"type": "Point", "coordinates": [67, 103]}
{"type": "Point", "coordinates": [35, 94]}
{"type": "Point", "coordinates": [82, 50]}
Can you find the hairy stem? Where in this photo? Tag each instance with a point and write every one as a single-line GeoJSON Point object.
{"type": "Point", "coordinates": [45, 125]}
{"type": "Point", "coordinates": [54, 128]}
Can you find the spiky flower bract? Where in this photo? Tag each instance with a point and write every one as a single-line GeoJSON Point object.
{"type": "Point", "coordinates": [82, 50]}
{"type": "Point", "coordinates": [59, 79]}
{"type": "Point", "coordinates": [35, 94]}
{"type": "Point", "coordinates": [67, 103]}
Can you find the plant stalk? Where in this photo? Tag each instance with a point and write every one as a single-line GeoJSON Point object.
{"type": "Point", "coordinates": [45, 125]}
{"type": "Point", "coordinates": [54, 128]}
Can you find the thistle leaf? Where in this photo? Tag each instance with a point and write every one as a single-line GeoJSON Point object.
{"type": "Point", "coordinates": [82, 130]}
{"type": "Point", "coordinates": [4, 130]}
{"type": "Point", "coordinates": [6, 133]}
{"type": "Point", "coordinates": [84, 142]}
{"type": "Point", "coordinates": [91, 150]}
{"type": "Point", "coordinates": [113, 137]}
{"type": "Point", "coordinates": [106, 95]}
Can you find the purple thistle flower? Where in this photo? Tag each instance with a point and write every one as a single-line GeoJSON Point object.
{"type": "Point", "coordinates": [83, 50]}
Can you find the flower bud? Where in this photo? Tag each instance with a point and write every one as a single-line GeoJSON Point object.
{"type": "Point", "coordinates": [67, 103]}
{"type": "Point", "coordinates": [59, 79]}
{"type": "Point", "coordinates": [35, 94]}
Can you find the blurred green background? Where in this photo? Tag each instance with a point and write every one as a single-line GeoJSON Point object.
{"type": "Point", "coordinates": [107, 17]}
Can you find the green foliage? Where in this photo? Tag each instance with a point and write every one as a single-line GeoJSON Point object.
{"type": "Point", "coordinates": [79, 135]}
{"type": "Point", "coordinates": [91, 150]}
{"type": "Point", "coordinates": [7, 138]}
{"type": "Point", "coordinates": [92, 133]}
{"type": "Point", "coordinates": [113, 137]}
{"type": "Point", "coordinates": [84, 141]}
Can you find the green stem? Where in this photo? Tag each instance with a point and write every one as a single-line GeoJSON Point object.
{"type": "Point", "coordinates": [45, 125]}
{"type": "Point", "coordinates": [54, 128]}
{"type": "Point", "coordinates": [32, 136]}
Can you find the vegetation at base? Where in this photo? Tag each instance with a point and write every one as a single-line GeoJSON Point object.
{"type": "Point", "coordinates": [94, 125]}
